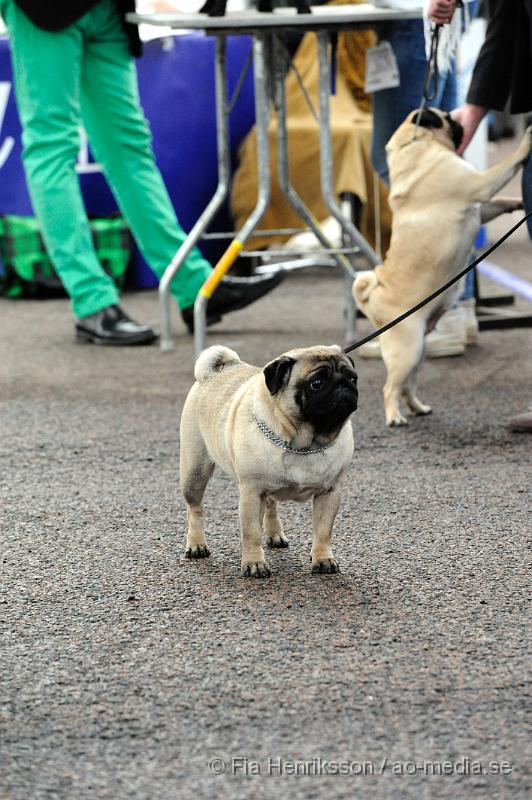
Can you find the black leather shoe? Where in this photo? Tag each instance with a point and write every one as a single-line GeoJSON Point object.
{"type": "Point", "coordinates": [232, 294]}
{"type": "Point", "coordinates": [111, 326]}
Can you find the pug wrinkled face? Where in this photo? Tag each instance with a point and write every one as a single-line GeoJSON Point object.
{"type": "Point", "coordinates": [318, 389]}
{"type": "Point", "coordinates": [328, 395]}
{"type": "Point", "coordinates": [436, 120]}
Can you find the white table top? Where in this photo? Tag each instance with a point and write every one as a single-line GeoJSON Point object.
{"type": "Point", "coordinates": [332, 17]}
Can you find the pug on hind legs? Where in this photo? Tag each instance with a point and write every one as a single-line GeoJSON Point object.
{"type": "Point", "coordinates": [438, 202]}
{"type": "Point", "coordinates": [282, 433]}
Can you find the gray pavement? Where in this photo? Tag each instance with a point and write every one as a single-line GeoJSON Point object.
{"type": "Point", "coordinates": [125, 670]}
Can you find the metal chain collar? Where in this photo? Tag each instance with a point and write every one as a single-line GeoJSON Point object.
{"type": "Point", "coordinates": [274, 438]}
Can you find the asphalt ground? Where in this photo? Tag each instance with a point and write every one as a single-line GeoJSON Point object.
{"type": "Point", "coordinates": [125, 670]}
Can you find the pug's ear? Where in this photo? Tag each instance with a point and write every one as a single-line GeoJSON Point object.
{"type": "Point", "coordinates": [350, 360]}
{"type": "Point", "coordinates": [428, 119]}
{"type": "Point", "coordinates": [277, 373]}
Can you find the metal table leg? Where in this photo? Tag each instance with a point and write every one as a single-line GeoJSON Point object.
{"type": "Point", "coordinates": [291, 195]}
{"type": "Point", "coordinates": [224, 171]}
{"type": "Point", "coordinates": [262, 115]}
{"type": "Point", "coordinates": [327, 184]}
{"type": "Point", "coordinates": [326, 154]}
{"type": "Point", "coordinates": [280, 63]}
{"type": "Point", "coordinates": [268, 75]}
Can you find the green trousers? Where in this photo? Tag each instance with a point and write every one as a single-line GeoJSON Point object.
{"type": "Point", "coordinates": [85, 75]}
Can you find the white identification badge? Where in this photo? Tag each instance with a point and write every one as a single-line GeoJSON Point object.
{"type": "Point", "coordinates": [381, 68]}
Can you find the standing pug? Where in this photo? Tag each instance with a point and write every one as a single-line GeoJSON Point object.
{"type": "Point", "coordinates": [438, 203]}
{"type": "Point", "coordinates": [282, 432]}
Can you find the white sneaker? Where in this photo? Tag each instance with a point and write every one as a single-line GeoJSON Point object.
{"type": "Point", "coordinates": [370, 349]}
{"type": "Point", "coordinates": [449, 336]}
{"type": "Point", "coordinates": [471, 321]}
{"type": "Point", "coordinates": [307, 241]}
{"type": "Point", "coordinates": [447, 339]}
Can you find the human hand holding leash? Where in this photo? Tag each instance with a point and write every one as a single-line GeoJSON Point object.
{"type": "Point", "coordinates": [469, 116]}
{"type": "Point", "coordinates": [441, 11]}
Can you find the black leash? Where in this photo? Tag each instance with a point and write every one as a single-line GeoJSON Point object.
{"type": "Point", "coordinates": [432, 73]}
{"type": "Point", "coordinates": [401, 317]}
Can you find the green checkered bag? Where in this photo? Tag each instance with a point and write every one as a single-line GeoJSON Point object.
{"type": "Point", "coordinates": [27, 269]}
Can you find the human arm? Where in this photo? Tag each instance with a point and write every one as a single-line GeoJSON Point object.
{"type": "Point", "coordinates": [441, 11]}
{"type": "Point", "coordinates": [469, 116]}
{"type": "Point", "coordinates": [492, 75]}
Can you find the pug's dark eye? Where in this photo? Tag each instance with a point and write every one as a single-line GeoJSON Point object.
{"type": "Point", "coordinates": [353, 379]}
{"type": "Point", "coordinates": [316, 384]}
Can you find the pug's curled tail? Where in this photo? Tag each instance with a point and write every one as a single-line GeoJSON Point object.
{"type": "Point", "coordinates": [213, 360]}
{"type": "Point", "coordinates": [365, 282]}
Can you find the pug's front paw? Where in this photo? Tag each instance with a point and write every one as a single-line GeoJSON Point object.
{"type": "Point", "coordinates": [397, 421]}
{"type": "Point", "coordinates": [420, 410]}
{"type": "Point", "coordinates": [515, 204]}
{"type": "Point", "coordinates": [255, 569]}
{"type": "Point", "coordinates": [277, 540]}
{"type": "Point", "coordinates": [326, 566]}
{"type": "Point", "coordinates": [197, 551]}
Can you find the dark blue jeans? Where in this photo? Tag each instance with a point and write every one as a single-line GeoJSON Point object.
{"type": "Point", "coordinates": [526, 183]}
{"type": "Point", "coordinates": [392, 106]}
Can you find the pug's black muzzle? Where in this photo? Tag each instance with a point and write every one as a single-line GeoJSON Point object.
{"type": "Point", "coordinates": [329, 412]}
{"type": "Point", "coordinates": [457, 132]}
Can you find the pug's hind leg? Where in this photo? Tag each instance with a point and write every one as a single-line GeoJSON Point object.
{"type": "Point", "coordinates": [324, 510]}
{"type": "Point", "coordinates": [195, 474]}
{"type": "Point", "coordinates": [413, 402]}
{"type": "Point", "coordinates": [402, 351]}
{"type": "Point", "coordinates": [250, 509]}
{"type": "Point", "coordinates": [273, 527]}
{"type": "Point", "coordinates": [417, 408]}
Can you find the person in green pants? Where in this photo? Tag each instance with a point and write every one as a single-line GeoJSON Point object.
{"type": "Point", "coordinates": [72, 64]}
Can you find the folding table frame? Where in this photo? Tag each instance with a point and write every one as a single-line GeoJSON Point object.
{"type": "Point", "coordinates": [270, 62]}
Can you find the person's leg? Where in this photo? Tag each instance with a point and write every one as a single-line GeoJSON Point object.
{"type": "Point", "coordinates": [119, 135]}
{"type": "Point", "coordinates": [447, 99]}
{"type": "Point", "coordinates": [526, 184]}
{"type": "Point", "coordinates": [47, 68]}
{"type": "Point", "coordinates": [391, 106]}
{"type": "Point", "coordinates": [526, 178]}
